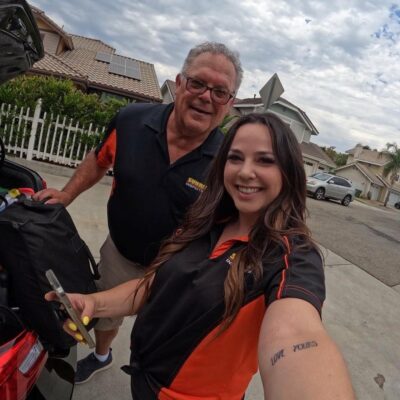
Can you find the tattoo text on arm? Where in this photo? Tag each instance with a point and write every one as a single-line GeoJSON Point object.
{"type": "Point", "coordinates": [295, 348]}
{"type": "Point", "coordinates": [304, 346]}
{"type": "Point", "coordinates": [277, 356]}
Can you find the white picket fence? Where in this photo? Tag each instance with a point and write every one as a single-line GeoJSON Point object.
{"type": "Point", "coordinates": [46, 137]}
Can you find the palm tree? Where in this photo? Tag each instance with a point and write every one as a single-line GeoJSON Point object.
{"type": "Point", "coordinates": [392, 167]}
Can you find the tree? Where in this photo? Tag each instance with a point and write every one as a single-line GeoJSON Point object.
{"type": "Point", "coordinates": [392, 168]}
{"type": "Point", "coordinates": [340, 159]}
{"type": "Point", "coordinates": [330, 152]}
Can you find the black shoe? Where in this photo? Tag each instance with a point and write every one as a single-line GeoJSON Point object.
{"type": "Point", "coordinates": [89, 366]}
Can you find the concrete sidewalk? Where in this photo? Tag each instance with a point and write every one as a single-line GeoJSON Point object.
{"type": "Point", "coordinates": [361, 314]}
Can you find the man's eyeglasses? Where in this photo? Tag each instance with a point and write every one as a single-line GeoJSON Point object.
{"type": "Point", "coordinates": [218, 95]}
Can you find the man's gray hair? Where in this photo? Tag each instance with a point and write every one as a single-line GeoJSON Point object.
{"type": "Point", "coordinates": [215, 48]}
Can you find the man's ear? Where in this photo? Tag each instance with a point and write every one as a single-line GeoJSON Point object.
{"type": "Point", "coordinates": [178, 80]}
{"type": "Point", "coordinates": [231, 101]}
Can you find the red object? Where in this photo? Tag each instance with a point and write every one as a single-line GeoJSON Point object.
{"type": "Point", "coordinates": [27, 191]}
{"type": "Point", "coordinates": [21, 362]}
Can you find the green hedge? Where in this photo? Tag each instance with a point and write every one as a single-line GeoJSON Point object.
{"type": "Point", "coordinates": [59, 97]}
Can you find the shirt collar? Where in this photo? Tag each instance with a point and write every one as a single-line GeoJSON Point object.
{"type": "Point", "coordinates": [158, 120]}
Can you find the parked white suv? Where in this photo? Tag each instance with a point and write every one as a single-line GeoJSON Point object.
{"type": "Point", "coordinates": [322, 185]}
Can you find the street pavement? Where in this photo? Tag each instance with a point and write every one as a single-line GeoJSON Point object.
{"type": "Point", "coordinates": [361, 314]}
{"type": "Point", "coordinates": [366, 236]}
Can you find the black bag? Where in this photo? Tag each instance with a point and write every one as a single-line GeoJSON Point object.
{"type": "Point", "coordinates": [35, 237]}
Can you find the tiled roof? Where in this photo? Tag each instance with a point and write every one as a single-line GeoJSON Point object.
{"type": "Point", "coordinates": [91, 44]}
{"type": "Point", "coordinates": [54, 65]}
{"type": "Point", "coordinates": [80, 63]}
{"type": "Point", "coordinates": [314, 151]}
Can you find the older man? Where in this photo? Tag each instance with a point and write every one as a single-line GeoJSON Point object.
{"type": "Point", "coordinates": [160, 155]}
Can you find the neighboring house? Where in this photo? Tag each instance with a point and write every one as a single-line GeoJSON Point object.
{"type": "Point", "coordinates": [315, 159]}
{"type": "Point", "coordinates": [168, 91]}
{"type": "Point", "coordinates": [93, 66]}
{"type": "Point", "coordinates": [365, 169]}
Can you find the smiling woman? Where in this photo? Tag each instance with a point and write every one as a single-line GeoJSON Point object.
{"type": "Point", "coordinates": [239, 285]}
{"type": "Point", "coordinates": [252, 177]}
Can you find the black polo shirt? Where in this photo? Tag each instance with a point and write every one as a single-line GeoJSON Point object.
{"type": "Point", "coordinates": [176, 350]}
{"type": "Point", "coordinates": [150, 196]}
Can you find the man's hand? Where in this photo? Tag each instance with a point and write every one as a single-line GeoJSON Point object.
{"type": "Point", "coordinates": [55, 196]}
{"type": "Point", "coordinates": [87, 174]}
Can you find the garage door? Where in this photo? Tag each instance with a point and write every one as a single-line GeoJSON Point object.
{"type": "Point", "coordinates": [374, 192]}
{"type": "Point", "coordinates": [308, 168]}
{"type": "Point", "coordinates": [393, 198]}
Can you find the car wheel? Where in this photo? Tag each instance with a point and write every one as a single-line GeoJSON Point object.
{"type": "Point", "coordinates": [346, 201]}
{"type": "Point", "coordinates": [319, 194]}
{"type": "Point", "coordinates": [397, 205]}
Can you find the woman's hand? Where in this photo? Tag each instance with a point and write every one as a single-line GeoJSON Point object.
{"type": "Point", "coordinates": [85, 307]}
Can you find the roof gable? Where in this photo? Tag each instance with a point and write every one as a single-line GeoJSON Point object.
{"type": "Point", "coordinates": [369, 156]}
{"type": "Point", "coordinates": [312, 150]}
{"type": "Point", "coordinates": [44, 21]}
{"type": "Point", "coordinates": [170, 87]}
{"type": "Point", "coordinates": [257, 102]}
{"type": "Point", "coordinates": [367, 172]}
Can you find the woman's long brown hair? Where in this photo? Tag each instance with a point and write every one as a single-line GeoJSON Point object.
{"type": "Point", "coordinates": [284, 217]}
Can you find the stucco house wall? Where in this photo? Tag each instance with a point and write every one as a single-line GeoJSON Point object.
{"type": "Point", "coordinates": [359, 181]}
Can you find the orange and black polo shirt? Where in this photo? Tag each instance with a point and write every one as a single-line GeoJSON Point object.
{"type": "Point", "coordinates": [150, 195]}
{"type": "Point", "coordinates": [176, 352]}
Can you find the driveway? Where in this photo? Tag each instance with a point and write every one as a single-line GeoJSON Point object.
{"type": "Point", "coordinates": [368, 237]}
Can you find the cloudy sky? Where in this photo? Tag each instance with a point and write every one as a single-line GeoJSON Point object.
{"type": "Point", "coordinates": [338, 60]}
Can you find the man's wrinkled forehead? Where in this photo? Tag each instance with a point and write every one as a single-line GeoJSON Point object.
{"type": "Point", "coordinates": [217, 62]}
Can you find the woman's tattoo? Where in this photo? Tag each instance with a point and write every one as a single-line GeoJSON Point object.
{"type": "Point", "coordinates": [277, 356]}
{"type": "Point", "coordinates": [295, 348]}
{"type": "Point", "coordinates": [304, 346]}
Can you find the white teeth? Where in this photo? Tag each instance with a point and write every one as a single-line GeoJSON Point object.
{"type": "Point", "coordinates": [243, 189]}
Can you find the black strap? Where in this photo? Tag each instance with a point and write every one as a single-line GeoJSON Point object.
{"type": "Point", "coordinates": [93, 265]}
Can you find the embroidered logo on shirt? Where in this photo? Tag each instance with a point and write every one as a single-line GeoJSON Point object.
{"type": "Point", "coordinates": [195, 184]}
{"type": "Point", "coordinates": [230, 259]}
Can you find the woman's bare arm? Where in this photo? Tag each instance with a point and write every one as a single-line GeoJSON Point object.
{"type": "Point", "coordinates": [298, 360]}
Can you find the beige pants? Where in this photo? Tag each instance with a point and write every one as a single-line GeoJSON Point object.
{"type": "Point", "coordinates": [114, 269]}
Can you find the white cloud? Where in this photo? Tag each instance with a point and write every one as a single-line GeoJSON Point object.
{"type": "Point", "coordinates": [337, 60]}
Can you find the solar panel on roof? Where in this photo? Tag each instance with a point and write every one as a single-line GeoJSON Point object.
{"type": "Point", "coordinates": [132, 64]}
{"type": "Point", "coordinates": [116, 69]}
{"type": "Point", "coordinates": [105, 57]}
{"type": "Point", "coordinates": [120, 65]}
{"type": "Point", "coordinates": [133, 73]}
{"type": "Point", "coordinates": [118, 60]}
